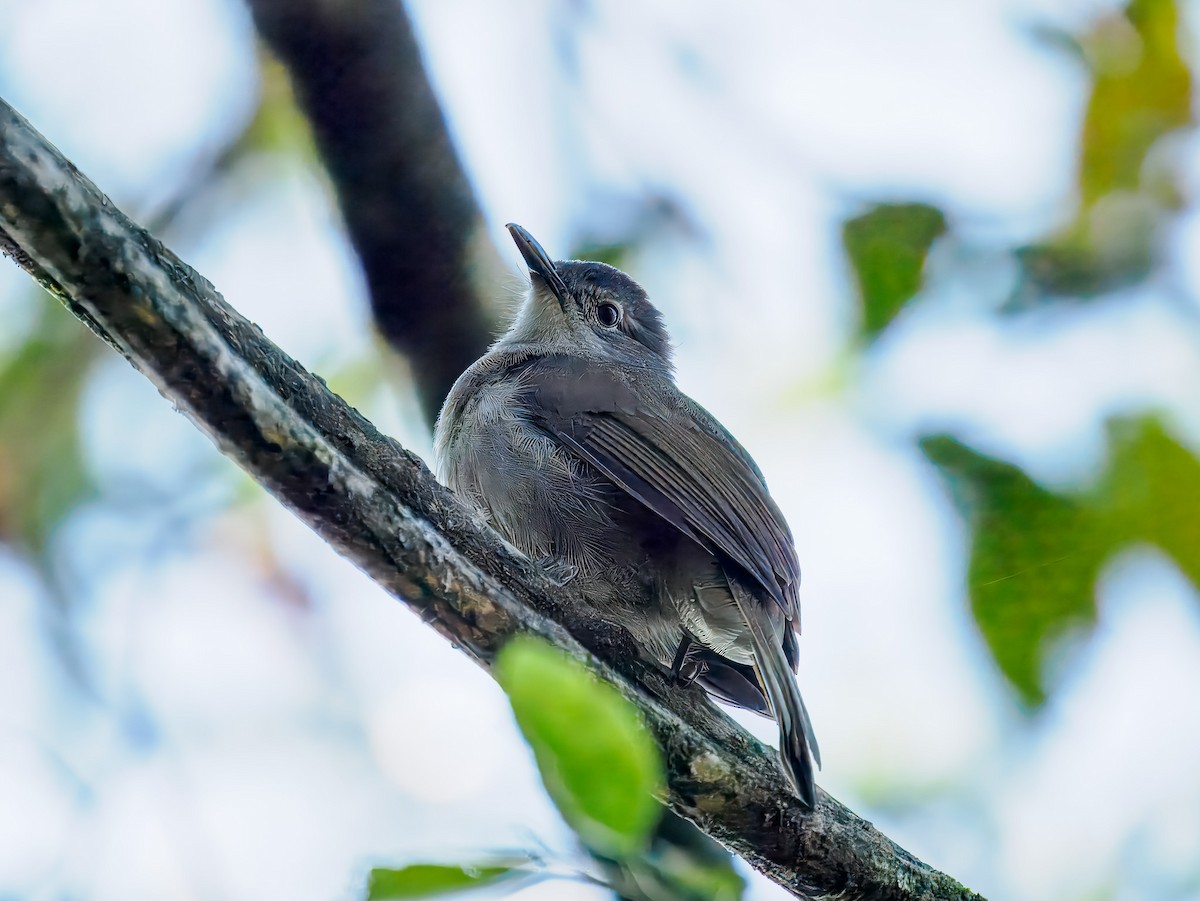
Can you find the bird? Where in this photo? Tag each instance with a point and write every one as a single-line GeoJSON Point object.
{"type": "Point", "coordinates": [570, 437]}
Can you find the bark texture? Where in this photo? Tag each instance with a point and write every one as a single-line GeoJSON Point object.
{"type": "Point", "coordinates": [378, 505]}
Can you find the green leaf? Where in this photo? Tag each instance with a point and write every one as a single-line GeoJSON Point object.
{"type": "Point", "coordinates": [666, 878]}
{"type": "Point", "coordinates": [1115, 249]}
{"type": "Point", "coordinates": [616, 255]}
{"type": "Point", "coordinates": [1034, 560]}
{"type": "Point", "coordinates": [42, 474]}
{"type": "Point", "coordinates": [1036, 554]}
{"type": "Point", "coordinates": [715, 882]}
{"type": "Point", "coordinates": [1152, 491]}
{"type": "Point", "coordinates": [681, 864]}
{"type": "Point", "coordinates": [1141, 91]}
{"type": "Point", "coordinates": [426, 880]}
{"type": "Point", "coordinates": [598, 762]}
{"type": "Point", "coordinates": [887, 247]}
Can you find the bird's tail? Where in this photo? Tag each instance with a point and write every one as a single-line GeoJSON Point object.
{"type": "Point", "coordinates": [797, 743]}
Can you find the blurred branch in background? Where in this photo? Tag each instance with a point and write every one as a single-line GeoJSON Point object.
{"type": "Point", "coordinates": [379, 506]}
{"type": "Point", "coordinates": [357, 72]}
{"type": "Point", "coordinates": [408, 207]}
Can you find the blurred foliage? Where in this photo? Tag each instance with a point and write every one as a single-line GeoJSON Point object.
{"type": "Point", "coordinates": [616, 255]}
{"type": "Point", "coordinates": [887, 246]}
{"type": "Point", "coordinates": [1141, 92]}
{"type": "Point", "coordinates": [277, 127]}
{"type": "Point", "coordinates": [1152, 491]}
{"type": "Point", "coordinates": [579, 727]}
{"type": "Point", "coordinates": [604, 772]}
{"type": "Point", "coordinates": [633, 224]}
{"type": "Point", "coordinates": [426, 880]}
{"type": "Point", "coordinates": [278, 124]}
{"type": "Point", "coordinates": [1034, 558]}
{"type": "Point", "coordinates": [675, 870]}
{"type": "Point", "coordinates": [1112, 247]}
{"type": "Point", "coordinates": [1036, 554]}
{"type": "Point", "coordinates": [42, 475]}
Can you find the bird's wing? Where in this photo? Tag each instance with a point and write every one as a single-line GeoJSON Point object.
{"type": "Point", "coordinates": [674, 457]}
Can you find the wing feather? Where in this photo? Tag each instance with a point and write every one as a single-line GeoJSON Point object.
{"type": "Point", "coordinates": [673, 457]}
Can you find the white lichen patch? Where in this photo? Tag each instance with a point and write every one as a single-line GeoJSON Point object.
{"type": "Point", "coordinates": [709, 768]}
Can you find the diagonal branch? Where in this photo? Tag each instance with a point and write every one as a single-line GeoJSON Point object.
{"type": "Point", "coordinates": [357, 72]}
{"type": "Point", "coordinates": [378, 505]}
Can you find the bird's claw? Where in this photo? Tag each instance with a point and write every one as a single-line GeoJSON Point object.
{"type": "Point", "coordinates": [685, 668]}
{"type": "Point", "coordinates": [687, 674]}
{"type": "Point", "coordinates": [559, 572]}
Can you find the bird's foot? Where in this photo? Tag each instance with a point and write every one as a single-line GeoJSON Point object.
{"type": "Point", "coordinates": [690, 672]}
{"type": "Point", "coordinates": [685, 668]}
{"type": "Point", "coordinates": [560, 572]}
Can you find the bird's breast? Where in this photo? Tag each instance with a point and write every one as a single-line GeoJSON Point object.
{"type": "Point", "coordinates": [534, 492]}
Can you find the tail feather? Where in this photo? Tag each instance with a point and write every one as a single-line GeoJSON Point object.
{"type": "Point", "coordinates": [797, 743]}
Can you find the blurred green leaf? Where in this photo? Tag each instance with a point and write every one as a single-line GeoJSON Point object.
{"type": "Point", "coordinates": [1141, 91]}
{"type": "Point", "coordinates": [1066, 267]}
{"type": "Point", "coordinates": [278, 124]}
{"type": "Point", "coordinates": [42, 474]}
{"type": "Point", "coordinates": [657, 879]}
{"type": "Point", "coordinates": [712, 882]}
{"type": "Point", "coordinates": [614, 254]}
{"type": "Point", "coordinates": [1036, 554]}
{"type": "Point", "coordinates": [1034, 559]}
{"type": "Point", "coordinates": [427, 880]}
{"type": "Point", "coordinates": [695, 862]}
{"type": "Point", "coordinates": [1113, 247]}
{"type": "Point", "coordinates": [598, 762]}
{"type": "Point", "coordinates": [887, 247]}
{"type": "Point", "coordinates": [681, 864]}
{"type": "Point", "coordinates": [1152, 491]}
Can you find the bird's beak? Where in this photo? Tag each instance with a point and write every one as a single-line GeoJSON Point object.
{"type": "Point", "coordinates": [540, 263]}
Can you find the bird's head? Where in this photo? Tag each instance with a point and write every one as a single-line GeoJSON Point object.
{"type": "Point", "coordinates": [587, 307]}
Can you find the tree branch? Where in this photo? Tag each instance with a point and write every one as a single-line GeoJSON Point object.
{"type": "Point", "coordinates": [357, 73]}
{"type": "Point", "coordinates": [378, 505]}
{"type": "Point", "coordinates": [408, 206]}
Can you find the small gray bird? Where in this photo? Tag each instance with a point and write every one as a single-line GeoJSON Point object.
{"type": "Point", "coordinates": [572, 439]}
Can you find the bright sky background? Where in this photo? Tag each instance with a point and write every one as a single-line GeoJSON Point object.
{"type": "Point", "coordinates": [233, 743]}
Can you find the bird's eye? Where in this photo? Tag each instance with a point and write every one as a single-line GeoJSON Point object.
{"type": "Point", "coordinates": [608, 315]}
